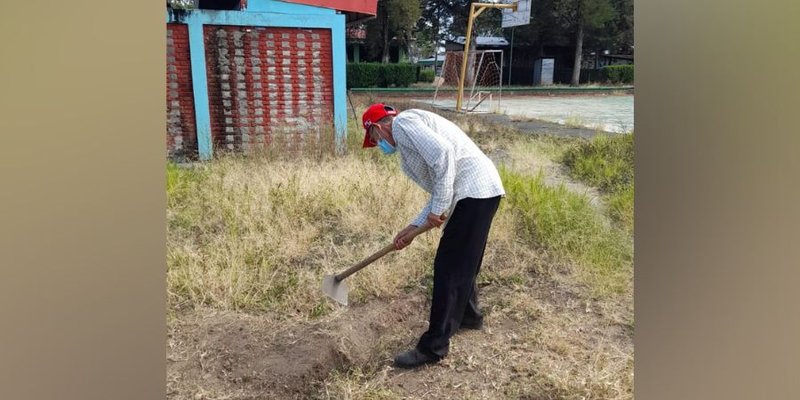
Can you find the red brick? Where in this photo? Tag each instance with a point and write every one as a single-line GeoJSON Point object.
{"type": "Point", "coordinates": [216, 105]}
{"type": "Point", "coordinates": [180, 39]}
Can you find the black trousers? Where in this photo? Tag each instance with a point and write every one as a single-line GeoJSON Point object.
{"type": "Point", "coordinates": [455, 268]}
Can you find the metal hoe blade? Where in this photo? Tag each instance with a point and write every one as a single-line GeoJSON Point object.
{"type": "Point", "coordinates": [333, 285]}
{"type": "Point", "coordinates": [336, 290]}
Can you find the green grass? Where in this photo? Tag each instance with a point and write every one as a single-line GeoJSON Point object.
{"type": "Point", "coordinates": [605, 161]}
{"type": "Point", "coordinates": [182, 181]}
{"type": "Point", "coordinates": [566, 224]}
{"type": "Point", "coordinates": [620, 207]}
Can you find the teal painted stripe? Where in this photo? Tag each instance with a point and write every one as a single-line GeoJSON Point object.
{"type": "Point", "coordinates": [285, 7]}
{"type": "Point", "coordinates": [339, 82]}
{"type": "Point", "coordinates": [202, 115]}
{"type": "Point", "coordinates": [239, 18]}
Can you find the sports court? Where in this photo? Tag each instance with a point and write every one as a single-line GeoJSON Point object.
{"type": "Point", "coordinates": [610, 113]}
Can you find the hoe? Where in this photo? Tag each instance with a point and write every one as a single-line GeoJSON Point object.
{"type": "Point", "coordinates": [333, 285]}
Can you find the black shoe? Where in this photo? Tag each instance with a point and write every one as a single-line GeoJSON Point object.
{"type": "Point", "coordinates": [477, 325]}
{"type": "Point", "coordinates": [413, 358]}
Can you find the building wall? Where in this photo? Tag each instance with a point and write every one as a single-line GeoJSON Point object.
{"type": "Point", "coordinates": [273, 73]}
{"type": "Point", "coordinates": [268, 86]}
{"type": "Point", "coordinates": [181, 131]}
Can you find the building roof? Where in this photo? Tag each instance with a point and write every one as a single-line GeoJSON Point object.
{"type": "Point", "coordinates": [484, 41]}
{"type": "Point", "coordinates": [354, 10]}
{"type": "Point", "coordinates": [429, 60]}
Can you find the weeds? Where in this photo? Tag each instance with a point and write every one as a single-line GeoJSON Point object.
{"type": "Point", "coordinates": [181, 182]}
{"type": "Point", "coordinates": [565, 223]}
{"type": "Point", "coordinates": [574, 121]}
{"type": "Point", "coordinates": [620, 207]}
{"type": "Point", "coordinates": [607, 162]}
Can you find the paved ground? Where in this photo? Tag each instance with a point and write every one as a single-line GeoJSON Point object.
{"type": "Point", "coordinates": [610, 113]}
{"type": "Point", "coordinates": [537, 126]}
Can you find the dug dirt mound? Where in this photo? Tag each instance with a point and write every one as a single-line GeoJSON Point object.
{"type": "Point", "coordinates": [212, 354]}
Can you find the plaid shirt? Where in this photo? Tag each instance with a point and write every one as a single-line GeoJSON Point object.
{"type": "Point", "coordinates": [439, 157]}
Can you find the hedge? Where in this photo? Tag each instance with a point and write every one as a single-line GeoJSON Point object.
{"type": "Point", "coordinates": [617, 73]}
{"type": "Point", "coordinates": [426, 75]}
{"type": "Point", "coordinates": [364, 75]}
{"type": "Point", "coordinates": [591, 75]}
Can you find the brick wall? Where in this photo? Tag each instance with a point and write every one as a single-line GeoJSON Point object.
{"type": "Point", "coordinates": [181, 130]}
{"type": "Point", "coordinates": [268, 87]}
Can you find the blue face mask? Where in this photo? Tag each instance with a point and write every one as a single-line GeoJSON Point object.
{"type": "Point", "coordinates": [386, 147]}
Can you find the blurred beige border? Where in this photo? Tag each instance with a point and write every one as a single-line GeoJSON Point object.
{"type": "Point", "coordinates": [716, 200]}
{"type": "Point", "coordinates": [82, 252]}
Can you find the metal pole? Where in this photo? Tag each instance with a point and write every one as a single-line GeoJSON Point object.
{"type": "Point", "coordinates": [464, 56]}
{"type": "Point", "coordinates": [500, 94]}
{"type": "Point", "coordinates": [472, 15]}
{"type": "Point", "coordinates": [511, 55]}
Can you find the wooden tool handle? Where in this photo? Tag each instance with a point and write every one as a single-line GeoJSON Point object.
{"type": "Point", "coordinates": [382, 252]}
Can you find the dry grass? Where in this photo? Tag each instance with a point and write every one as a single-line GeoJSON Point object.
{"type": "Point", "coordinates": [256, 234]}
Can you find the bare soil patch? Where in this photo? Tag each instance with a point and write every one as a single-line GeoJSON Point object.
{"type": "Point", "coordinates": [213, 354]}
{"type": "Point", "coordinates": [536, 351]}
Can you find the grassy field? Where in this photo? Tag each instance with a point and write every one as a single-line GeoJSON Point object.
{"type": "Point", "coordinates": [249, 238]}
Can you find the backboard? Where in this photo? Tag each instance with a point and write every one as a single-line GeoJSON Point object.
{"type": "Point", "coordinates": [520, 17]}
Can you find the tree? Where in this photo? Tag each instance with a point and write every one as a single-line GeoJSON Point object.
{"type": "Point", "coordinates": [582, 16]}
{"type": "Point", "coordinates": [621, 27]}
{"type": "Point", "coordinates": [403, 17]}
{"type": "Point", "coordinates": [430, 25]}
{"type": "Point", "coordinates": [545, 27]}
{"type": "Point", "coordinates": [599, 24]}
{"type": "Point", "coordinates": [395, 19]}
{"type": "Point", "coordinates": [617, 33]}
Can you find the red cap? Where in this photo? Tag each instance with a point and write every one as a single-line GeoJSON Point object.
{"type": "Point", "coordinates": [374, 114]}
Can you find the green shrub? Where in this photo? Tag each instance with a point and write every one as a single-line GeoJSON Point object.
{"type": "Point", "coordinates": [426, 75]}
{"type": "Point", "coordinates": [400, 75]}
{"type": "Point", "coordinates": [591, 75]}
{"type": "Point", "coordinates": [617, 73]}
{"type": "Point", "coordinates": [365, 75]}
